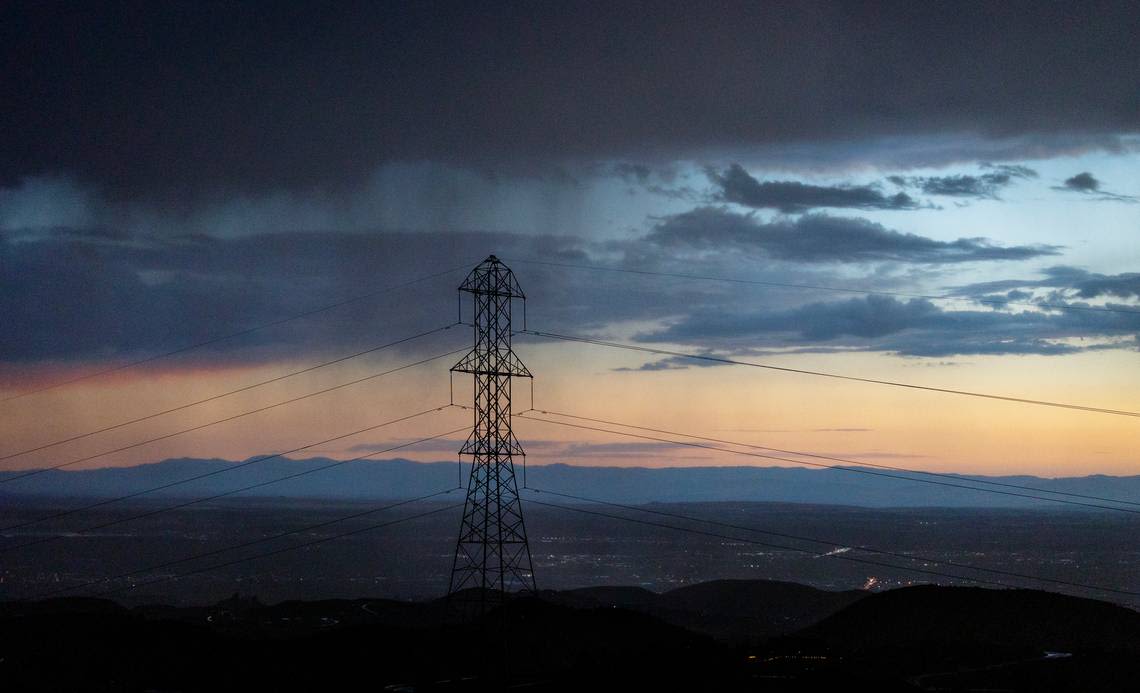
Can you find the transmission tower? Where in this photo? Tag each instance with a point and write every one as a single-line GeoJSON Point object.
{"type": "Point", "coordinates": [492, 554]}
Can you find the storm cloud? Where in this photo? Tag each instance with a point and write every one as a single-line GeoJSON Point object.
{"type": "Point", "coordinates": [823, 238]}
{"type": "Point", "coordinates": [1082, 182]}
{"type": "Point", "coordinates": [1070, 281]}
{"type": "Point", "coordinates": [915, 327]}
{"type": "Point", "coordinates": [88, 295]}
{"type": "Point", "coordinates": [72, 294]}
{"type": "Point", "coordinates": [1088, 184]}
{"type": "Point", "coordinates": [984, 185]}
{"type": "Point", "coordinates": [168, 100]}
{"type": "Point", "coordinates": [737, 186]}
{"type": "Point", "coordinates": [674, 363]}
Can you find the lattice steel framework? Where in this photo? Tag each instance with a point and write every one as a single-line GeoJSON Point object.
{"type": "Point", "coordinates": [492, 553]}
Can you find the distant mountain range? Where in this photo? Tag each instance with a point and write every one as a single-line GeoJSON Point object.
{"type": "Point", "coordinates": [399, 478]}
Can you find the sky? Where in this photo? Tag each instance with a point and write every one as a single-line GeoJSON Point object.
{"type": "Point", "coordinates": [967, 174]}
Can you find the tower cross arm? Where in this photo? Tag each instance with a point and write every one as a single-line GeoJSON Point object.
{"type": "Point", "coordinates": [481, 362]}
{"type": "Point", "coordinates": [492, 278]}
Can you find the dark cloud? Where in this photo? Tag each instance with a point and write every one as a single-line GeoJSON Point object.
{"type": "Point", "coordinates": [911, 328]}
{"type": "Point", "coordinates": [1082, 182]}
{"type": "Point", "coordinates": [963, 186]}
{"type": "Point", "coordinates": [870, 317]}
{"type": "Point", "coordinates": [665, 181]}
{"type": "Point", "coordinates": [1013, 170]}
{"type": "Point", "coordinates": [670, 364]}
{"type": "Point", "coordinates": [72, 296]}
{"type": "Point", "coordinates": [639, 173]}
{"type": "Point", "coordinates": [1088, 184]}
{"type": "Point", "coordinates": [737, 186]}
{"type": "Point", "coordinates": [684, 192]}
{"type": "Point", "coordinates": [985, 185]}
{"type": "Point", "coordinates": [1004, 299]}
{"type": "Point", "coordinates": [76, 296]}
{"type": "Point", "coordinates": [1073, 282]}
{"type": "Point", "coordinates": [911, 151]}
{"type": "Point", "coordinates": [166, 99]}
{"type": "Point", "coordinates": [822, 238]}
{"type": "Point", "coordinates": [673, 363]}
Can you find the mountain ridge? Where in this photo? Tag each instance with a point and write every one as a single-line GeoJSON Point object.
{"type": "Point", "coordinates": [908, 639]}
{"type": "Point", "coordinates": [400, 478]}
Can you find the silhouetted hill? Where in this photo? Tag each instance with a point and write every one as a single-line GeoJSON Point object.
{"type": "Point", "coordinates": [344, 645]}
{"type": "Point", "coordinates": [947, 616]}
{"type": "Point", "coordinates": [606, 638]}
{"type": "Point", "coordinates": [750, 610]}
{"type": "Point", "coordinates": [735, 610]}
{"type": "Point", "coordinates": [969, 638]}
{"type": "Point", "coordinates": [398, 478]}
{"type": "Point", "coordinates": [620, 596]}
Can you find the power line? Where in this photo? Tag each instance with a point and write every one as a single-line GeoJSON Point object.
{"type": "Point", "coordinates": [232, 335]}
{"type": "Point", "coordinates": [218, 396]}
{"type": "Point", "coordinates": [841, 459]}
{"type": "Point", "coordinates": [239, 415]}
{"type": "Point", "coordinates": [827, 542]}
{"type": "Point", "coordinates": [492, 551]}
{"type": "Point", "coordinates": [234, 547]}
{"type": "Point", "coordinates": [753, 364]}
{"type": "Point", "coordinates": [234, 491]}
{"type": "Point", "coordinates": [827, 466]}
{"type": "Point", "coordinates": [204, 475]}
{"type": "Point", "coordinates": [838, 289]}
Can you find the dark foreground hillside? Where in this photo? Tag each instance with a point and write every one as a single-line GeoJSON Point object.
{"type": "Point", "coordinates": [719, 636]}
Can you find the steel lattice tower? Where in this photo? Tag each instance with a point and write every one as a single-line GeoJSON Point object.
{"type": "Point", "coordinates": [492, 553]}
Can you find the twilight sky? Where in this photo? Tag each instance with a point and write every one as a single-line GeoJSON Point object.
{"type": "Point", "coordinates": [171, 172]}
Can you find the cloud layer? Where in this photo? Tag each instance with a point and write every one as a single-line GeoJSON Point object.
{"type": "Point", "coordinates": [984, 185]}
{"type": "Point", "coordinates": [70, 294]}
{"type": "Point", "coordinates": [74, 295]}
{"type": "Point", "coordinates": [737, 186]}
{"type": "Point", "coordinates": [916, 327]}
{"type": "Point", "coordinates": [1068, 282]}
{"type": "Point", "coordinates": [823, 238]}
{"type": "Point", "coordinates": [166, 99]}
{"type": "Point", "coordinates": [1088, 184]}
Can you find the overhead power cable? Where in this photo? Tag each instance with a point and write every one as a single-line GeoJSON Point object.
{"type": "Point", "coordinates": [232, 335]}
{"type": "Point", "coordinates": [224, 494]}
{"type": "Point", "coordinates": [838, 376]}
{"type": "Point", "coordinates": [235, 547]}
{"type": "Point", "coordinates": [954, 477]}
{"type": "Point", "coordinates": [233, 417]}
{"type": "Point", "coordinates": [838, 289]}
{"type": "Point", "coordinates": [212, 398]}
{"type": "Point", "coordinates": [839, 545]}
{"type": "Point", "coordinates": [855, 470]}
